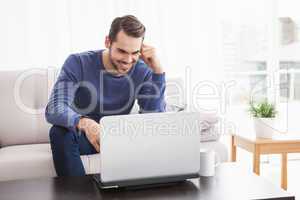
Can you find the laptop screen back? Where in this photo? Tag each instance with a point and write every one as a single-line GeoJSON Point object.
{"type": "Point", "coordinates": [149, 145]}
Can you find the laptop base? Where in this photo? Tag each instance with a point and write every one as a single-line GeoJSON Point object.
{"type": "Point", "coordinates": [143, 184]}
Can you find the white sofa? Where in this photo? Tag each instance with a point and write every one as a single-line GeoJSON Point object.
{"type": "Point", "coordinates": [24, 141]}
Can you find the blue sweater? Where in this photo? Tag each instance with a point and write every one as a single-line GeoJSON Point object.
{"type": "Point", "coordinates": [85, 88]}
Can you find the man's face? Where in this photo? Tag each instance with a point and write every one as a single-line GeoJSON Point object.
{"type": "Point", "coordinates": [124, 52]}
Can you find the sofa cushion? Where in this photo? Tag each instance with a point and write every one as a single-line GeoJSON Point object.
{"type": "Point", "coordinates": [31, 161]}
{"type": "Point", "coordinates": [26, 161]}
{"type": "Point", "coordinates": [23, 98]}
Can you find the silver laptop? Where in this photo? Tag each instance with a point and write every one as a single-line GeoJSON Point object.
{"type": "Point", "coordinates": [147, 149]}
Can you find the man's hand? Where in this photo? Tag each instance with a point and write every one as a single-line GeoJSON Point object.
{"type": "Point", "coordinates": [92, 131]}
{"type": "Point", "coordinates": [148, 54]}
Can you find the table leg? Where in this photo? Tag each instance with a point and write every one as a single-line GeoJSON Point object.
{"type": "Point", "coordinates": [256, 160]}
{"type": "Point", "coordinates": [284, 171]}
{"type": "Point", "coordinates": [233, 149]}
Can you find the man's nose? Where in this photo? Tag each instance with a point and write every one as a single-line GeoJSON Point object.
{"type": "Point", "coordinates": [128, 59]}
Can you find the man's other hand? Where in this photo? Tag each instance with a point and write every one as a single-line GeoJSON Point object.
{"type": "Point", "coordinates": [92, 131]}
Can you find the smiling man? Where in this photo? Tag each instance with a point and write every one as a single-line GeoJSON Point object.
{"type": "Point", "coordinates": [99, 83]}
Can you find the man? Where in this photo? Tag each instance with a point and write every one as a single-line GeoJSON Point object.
{"type": "Point", "coordinates": [99, 83]}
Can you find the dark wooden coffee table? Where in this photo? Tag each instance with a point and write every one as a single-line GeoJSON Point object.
{"type": "Point", "coordinates": [231, 182]}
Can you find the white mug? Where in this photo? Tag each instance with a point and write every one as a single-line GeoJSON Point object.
{"type": "Point", "coordinates": [208, 162]}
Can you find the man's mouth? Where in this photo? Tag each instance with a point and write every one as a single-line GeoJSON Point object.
{"type": "Point", "coordinates": [124, 66]}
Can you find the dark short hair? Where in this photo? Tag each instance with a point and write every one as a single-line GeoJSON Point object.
{"type": "Point", "coordinates": [129, 24]}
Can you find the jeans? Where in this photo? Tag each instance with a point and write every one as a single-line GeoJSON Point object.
{"type": "Point", "coordinates": [67, 146]}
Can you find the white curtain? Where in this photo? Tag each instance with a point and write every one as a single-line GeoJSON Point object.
{"type": "Point", "coordinates": [40, 34]}
{"type": "Point", "coordinates": [33, 33]}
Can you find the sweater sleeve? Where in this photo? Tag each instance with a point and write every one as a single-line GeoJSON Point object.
{"type": "Point", "coordinates": [59, 110]}
{"type": "Point", "coordinates": [151, 96]}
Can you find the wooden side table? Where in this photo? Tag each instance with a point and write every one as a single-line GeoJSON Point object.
{"type": "Point", "coordinates": [283, 144]}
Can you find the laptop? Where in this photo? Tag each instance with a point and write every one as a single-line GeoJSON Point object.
{"type": "Point", "coordinates": [149, 149]}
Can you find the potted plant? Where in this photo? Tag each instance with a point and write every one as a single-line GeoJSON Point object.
{"type": "Point", "coordinates": [264, 115]}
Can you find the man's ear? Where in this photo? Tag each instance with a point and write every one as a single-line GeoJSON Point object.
{"type": "Point", "coordinates": [107, 42]}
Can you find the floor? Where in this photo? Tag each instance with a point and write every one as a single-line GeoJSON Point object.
{"type": "Point", "coordinates": [270, 166]}
{"type": "Point", "coordinates": [270, 169]}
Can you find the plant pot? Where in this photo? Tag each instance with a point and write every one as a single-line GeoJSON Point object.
{"type": "Point", "coordinates": [264, 127]}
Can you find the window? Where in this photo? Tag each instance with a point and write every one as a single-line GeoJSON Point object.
{"type": "Point", "coordinates": [261, 50]}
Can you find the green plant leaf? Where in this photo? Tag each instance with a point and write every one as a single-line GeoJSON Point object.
{"type": "Point", "coordinates": [262, 110]}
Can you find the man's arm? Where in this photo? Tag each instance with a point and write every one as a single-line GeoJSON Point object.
{"type": "Point", "coordinates": [59, 109]}
{"type": "Point", "coordinates": [151, 96]}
